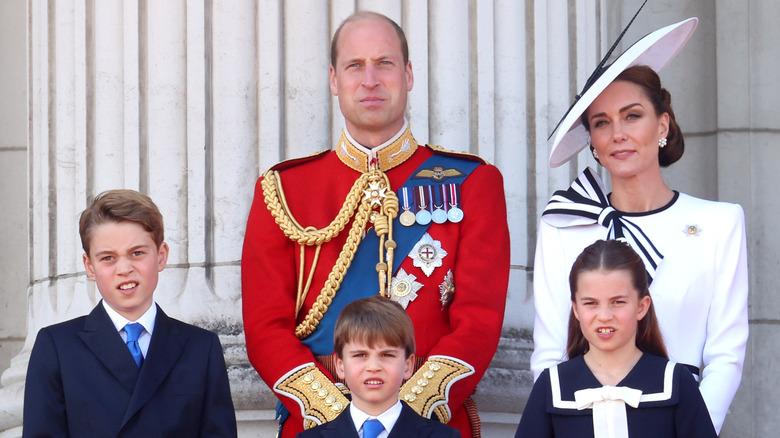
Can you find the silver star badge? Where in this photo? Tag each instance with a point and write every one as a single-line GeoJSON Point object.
{"type": "Point", "coordinates": [427, 254]}
{"type": "Point", "coordinates": [403, 288]}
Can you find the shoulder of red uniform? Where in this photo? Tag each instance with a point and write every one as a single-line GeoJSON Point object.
{"type": "Point", "coordinates": [436, 149]}
{"type": "Point", "coordinates": [293, 162]}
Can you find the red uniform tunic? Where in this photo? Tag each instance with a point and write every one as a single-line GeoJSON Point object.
{"type": "Point", "coordinates": [467, 327]}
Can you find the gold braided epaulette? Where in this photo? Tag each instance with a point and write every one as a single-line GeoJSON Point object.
{"type": "Point", "coordinates": [319, 398]}
{"type": "Point", "coordinates": [427, 392]}
{"type": "Point", "coordinates": [469, 156]}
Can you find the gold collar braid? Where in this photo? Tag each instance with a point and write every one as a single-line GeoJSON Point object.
{"type": "Point", "coordinates": [386, 156]}
{"type": "Point", "coordinates": [379, 204]}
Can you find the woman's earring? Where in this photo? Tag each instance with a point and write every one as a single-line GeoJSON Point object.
{"type": "Point", "coordinates": [662, 142]}
{"type": "Point", "coordinates": [595, 155]}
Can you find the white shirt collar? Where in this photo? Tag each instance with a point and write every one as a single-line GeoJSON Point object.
{"type": "Point", "coordinates": [388, 418]}
{"type": "Point", "coordinates": [146, 320]}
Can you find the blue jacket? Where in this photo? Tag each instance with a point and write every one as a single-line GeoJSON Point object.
{"type": "Point", "coordinates": [83, 382]}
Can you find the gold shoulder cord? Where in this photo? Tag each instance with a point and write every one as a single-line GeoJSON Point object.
{"type": "Point", "coordinates": [379, 205]}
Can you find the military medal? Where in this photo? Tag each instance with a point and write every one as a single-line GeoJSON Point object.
{"type": "Point", "coordinates": [423, 215]}
{"type": "Point", "coordinates": [439, 216]}
{"type": "Point", "coordinates": [427, 254]}
{"type": "Point", "coordinates": [454, 214]}
{"type": "Point", "coordinates": [404, 287]}
{"type": "Point", "coordinates": [375, 193]}
{"type": "Point", "coordinates": [447, 289]}
{"type": "Point", "coordinates": [407, 218]}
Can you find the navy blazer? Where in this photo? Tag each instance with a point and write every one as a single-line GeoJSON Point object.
{"type": "Point", "coordinates": [83, 382]}
{"type": "Point", "coordinates": [409, 425]}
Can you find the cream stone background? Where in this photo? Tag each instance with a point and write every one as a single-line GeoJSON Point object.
{"type": "Point", "coordinates": [190, 101]}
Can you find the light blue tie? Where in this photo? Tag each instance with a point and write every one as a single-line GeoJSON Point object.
{"type": "Point", "coordinates": [372, 428]}
{"type": "Point", "coordinates": [133, 331]}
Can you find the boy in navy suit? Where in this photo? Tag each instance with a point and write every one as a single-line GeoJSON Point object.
{"type": "Point", "coordinates": [126, 369]}
{"type": "Point", "coordinates": [374, 346]}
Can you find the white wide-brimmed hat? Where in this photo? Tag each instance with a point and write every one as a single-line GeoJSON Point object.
{"type": "Point", "coordinates": [654, 50]}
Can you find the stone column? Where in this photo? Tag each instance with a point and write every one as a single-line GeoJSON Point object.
{"type": "Point", "coordinates": [748, 117]}
{"type": "Point", "coordinates": [13, 195]}
{"type": "Point", "coordinates": [155, 96]}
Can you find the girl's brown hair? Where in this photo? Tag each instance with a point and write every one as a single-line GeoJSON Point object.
{"type": "Point", "coordinates": [614, 255]}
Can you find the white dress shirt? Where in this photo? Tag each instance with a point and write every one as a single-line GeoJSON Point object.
{"type": "Point", "coordinates": [146, 320]}
{"type": "Point", "coordinates": [387, 418]}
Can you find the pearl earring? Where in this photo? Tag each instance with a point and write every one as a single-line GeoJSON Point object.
{"type": "Point", "coordinates": [595, 156]}
{"type": "Point", "coordinates": [662, 142]}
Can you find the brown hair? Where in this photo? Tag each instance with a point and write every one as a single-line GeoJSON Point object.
{"type": "Point", "coordinates": [115, 206]}
{"type": "Point", "coordinates": [614, 255]}
{"type": "Point", "coordinates": [372, 320]}
{"type": "Point", "coordinates": [368, 15]}
{"type": "Point", "coordinates": [648, 80]}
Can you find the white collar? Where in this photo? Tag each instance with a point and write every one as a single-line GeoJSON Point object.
{"type": "Point", "coordinates": [371, 152]}
{"type": "Point", "coordinates": [388, 418]}
{"type": "Point", "coordinates": [146, 320]}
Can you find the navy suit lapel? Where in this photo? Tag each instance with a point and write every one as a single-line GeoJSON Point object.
{"type": "Point", "coordinates": [409, 424]}
{"type": "Point", "coordinates": [102, 338]}
{"type": "Point", "coordinates": [341, 427]}
{"type": "Point", "coordinates": [165, 348]}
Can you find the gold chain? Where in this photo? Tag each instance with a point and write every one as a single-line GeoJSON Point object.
{"type": "Point", "coordinates": [353, 205]}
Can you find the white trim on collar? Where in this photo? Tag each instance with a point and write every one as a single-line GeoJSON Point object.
{"type": "Point", "coordinates": [558, 402]}
{"type": "Point", "coordinates": [371, 152]}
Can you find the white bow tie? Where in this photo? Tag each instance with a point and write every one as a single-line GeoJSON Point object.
{"type": "Point", "coordinates": [609, 408]}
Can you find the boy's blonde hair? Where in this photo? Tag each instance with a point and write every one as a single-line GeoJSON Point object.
{"type": "Point", "coordinates": [115, 206]}
{"type": "Point", "coordinates": [372, 320]}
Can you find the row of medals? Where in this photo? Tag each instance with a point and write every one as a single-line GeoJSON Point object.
{"type": "Point", "coordinates": [422, 204]}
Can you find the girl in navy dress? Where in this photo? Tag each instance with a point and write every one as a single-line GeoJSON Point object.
{"type": "Point", "coordinates": [618, 382]}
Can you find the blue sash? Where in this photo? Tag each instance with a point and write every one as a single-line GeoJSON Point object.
{"type": "Point", "coordinates": [360, 281]}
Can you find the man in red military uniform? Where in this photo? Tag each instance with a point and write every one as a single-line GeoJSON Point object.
{"type": "Point", "coordinates": [376, 214]}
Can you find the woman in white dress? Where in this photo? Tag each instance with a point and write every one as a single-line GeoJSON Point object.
{"type": "Point", "coordinates": [693, 249]}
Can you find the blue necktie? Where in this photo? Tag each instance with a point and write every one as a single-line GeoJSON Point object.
{"type": "Point", "coordinates": [133, 331]}
{"type": "Point", "coordinates": [372, 428]}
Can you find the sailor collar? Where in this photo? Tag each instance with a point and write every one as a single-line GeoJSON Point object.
{"type": "Point", "coordinates": [387, 155]}
{"type": "Point", "coordinates": [656, 380]}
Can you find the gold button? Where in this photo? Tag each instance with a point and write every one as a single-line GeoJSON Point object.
{"type": "Point", "coordinates": [322, 393]}
{"type": "Point", "coordinates": [308, 378]}
{"type": "Point", "coordinates": [428, 374]}
{"type": "Point", "coordinates": [410, 397]}
{"type": "Point", "coordinates": [692, 229]}
{"type": "Point", "coordinates": [315, 386]}
{"type": "Point", "coordinates": [417, 389]}
{"type": "Point", "coordinates": [329, 400]}
{"type": "Point", "coordinates": [337, 407]}
{"type": "Point", "coordinates": [422, 382]}
{"type": "Point", "coordinates": [434, 366]}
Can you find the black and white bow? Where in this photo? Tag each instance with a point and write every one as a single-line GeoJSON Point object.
{"type": "Point", "coordinates": [585, 202]}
